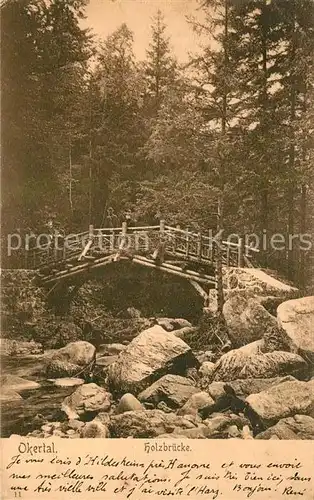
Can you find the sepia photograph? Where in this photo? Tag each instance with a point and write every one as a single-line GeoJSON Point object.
{"type": "Point", "coordinates": [157, 214]}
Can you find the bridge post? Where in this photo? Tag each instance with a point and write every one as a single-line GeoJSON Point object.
{"type": "Point", "coordinates": [176, 238]}
{"type": "Point", "coordinates": [199, 246]}
{"type": "Point", "coordinates": [122, 241]}
{"type": "Point", "coordinates": [211, 249]}
{"type": "Point", "coordinates": [228, 256]}
{"type": "Point", "coordinates": [241, 249]}
{"type": "Point", "coordinates": [55, 251]}
{"type": "Point", "coordinates": [162, 240]}
{"type": "Point", "coordinates": [159, 252]}
{"type": "Point", "coordinates": [124, 228]}
{"type": "Point", "coordinates": [90, 232]}
{"type": "Point", "coordinates": [187, 239]}
{"type": "Point", "coordinates": [123, 235]}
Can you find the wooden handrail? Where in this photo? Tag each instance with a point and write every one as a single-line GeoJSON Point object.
{"type": "Point", "coordinates": [182, 231]}
{"type": "Point", "coordinates": [119, 229]}
{"type": "Point", "coordinates": [181, 242]}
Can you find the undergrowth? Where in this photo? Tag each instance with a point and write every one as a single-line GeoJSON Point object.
{"type": "Point", "coordinates": [212, 334]}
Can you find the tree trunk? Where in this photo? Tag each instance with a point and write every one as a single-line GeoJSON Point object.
{"type": "Point", "coordinates": [264, 184]}
{"type": "Point", "coordinates": [290, 225]}
{"type": "Point", "coordinates": [157, 82]}
{"type": "Point", "coordinates": [90, 186]}
{"type": "Point", "coordinates": [90, 166]}
{"type": "Point", "coordinates": [303, 216]}
{"type": "Point", "coordinates": [219, 276]}
{"type": "Point", "coordinates": [305, 268]}
{"type": "Point", "coordinates": [220, 217]}
{"type": "Point", "coordinates": [292, 181]}
{"type": "Point", "coordinates": [70, 176]}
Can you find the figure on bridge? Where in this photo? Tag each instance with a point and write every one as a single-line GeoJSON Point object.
{"type": "Point", "coordinates": [111, 219]}
{"type": "Point", "coordinates": [128, 219]}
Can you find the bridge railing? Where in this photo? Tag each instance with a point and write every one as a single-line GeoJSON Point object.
{"type": "Point", "coordinates": [179, 243]}
{"type": "Point", "coordinates": [197, 245]}
{"type": "Point", "coordinates": [139, 238]}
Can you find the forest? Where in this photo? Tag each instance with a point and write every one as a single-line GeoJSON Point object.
{"type": "Point", "coordinates": [222, 141]}
{"type": "Point", "coordinates": [147, 329]}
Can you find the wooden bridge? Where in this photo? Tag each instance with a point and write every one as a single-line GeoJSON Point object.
{"type": "Point", "coordinates": [173, 250]}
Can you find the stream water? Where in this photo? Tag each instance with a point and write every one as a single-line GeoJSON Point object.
{"type": "Point", "coordinates": [23, 416]}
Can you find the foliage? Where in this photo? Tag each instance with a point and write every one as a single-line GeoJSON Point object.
{"type": "Point", "coordinates": [85, 127]}
{"type": "Point", "coordinates": [43, 71]}
{"type": "Point", "coordinates": [211, 335]}
{"type": "Point", "coordinates": [160, 67]}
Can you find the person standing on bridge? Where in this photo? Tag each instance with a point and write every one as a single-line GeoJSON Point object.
{"type": "Point", "coordinates": [129, 219]}
{"type": "Point", "coordinates": [111, 219]}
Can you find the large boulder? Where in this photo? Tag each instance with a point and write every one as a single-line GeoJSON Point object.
{"type": "Point", "coordinates": [14, 383]}
{"type": "Point", "coordinates": [256, 281]}
{"type": "Point", "coordinates": [296, 317]}
{"type": "Point", "coordinates": [276, 339]}
{"type": "Point", "coordinates": [94, 429]}
{"type": "Point", "coordinates": [229, 365]}
{"type": "Point", "coordinates": [297, 427]}
{"type": "Point", "coordinates": [245, 387]}
{"type": "Point", "coordinates": [195, 403]}
{"type": "Point", "coordinates": [128, 402]}
{"type": "Point", "coordinates": [251, 349]}
{"type": "Point", "coordinates": [283, 400]}
{"type": "Point", "coordinates": [172, 389]}
{"type": "Point", "coordinates": [86, 401]}
{"type": "Point", "coordinates": [237, 364]}
{"type": "Point", "coordinates": [274, 364]}
{"type": "Point", "coordinates": [166, 324]}
{"type": "Point", "coordinates": [71, 360]}
{"type": "Point", "coordinates": [214, 389]}
{"type": "Point", "coordinates": [147, 424]}
{"type": "Point", "coordinates": [8, 395]}
{"type": "Point", "coordinates": [218, 425]}
{"type": "Point", "coordinates": [185, 333]}
{"type": "Point", "coordinates": [207, 369]}
{"type": "Point", "coordinates": [152, 354]}
{"type": "Point", "coordinates": [246, 319]}
{"type": "Point", "coordinates": [231, 396]}
{"type": "Point", "coordinates": [181, 323]}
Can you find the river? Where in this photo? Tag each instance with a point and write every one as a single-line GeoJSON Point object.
{"type": "Point", "coordinates": [21, 417]}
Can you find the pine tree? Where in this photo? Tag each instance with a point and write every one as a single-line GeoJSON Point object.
{"type": "Point", "coordinates": [295, 90]}
{"type": "Point", "coordinates": [160, 66]}
{"type": "Point", "coordinates": [120, 128]}
{"type": "Point", "coordinates": [21, 27]}
{"type": "Point", "coordinates": [216, 73]}
{"type": "Point", "coordinates": [45, 53]}
{"type": "Point", "coordinates": [273, 43]}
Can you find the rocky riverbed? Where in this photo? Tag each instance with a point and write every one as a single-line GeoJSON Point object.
{"type": "Point", "coordinates": [246, 376]}
{"type": "Point", "coordinates": [157, 386]}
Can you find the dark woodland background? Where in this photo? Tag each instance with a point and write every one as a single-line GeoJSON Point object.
{"type": "Point", "coordinates": [86, 126]}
